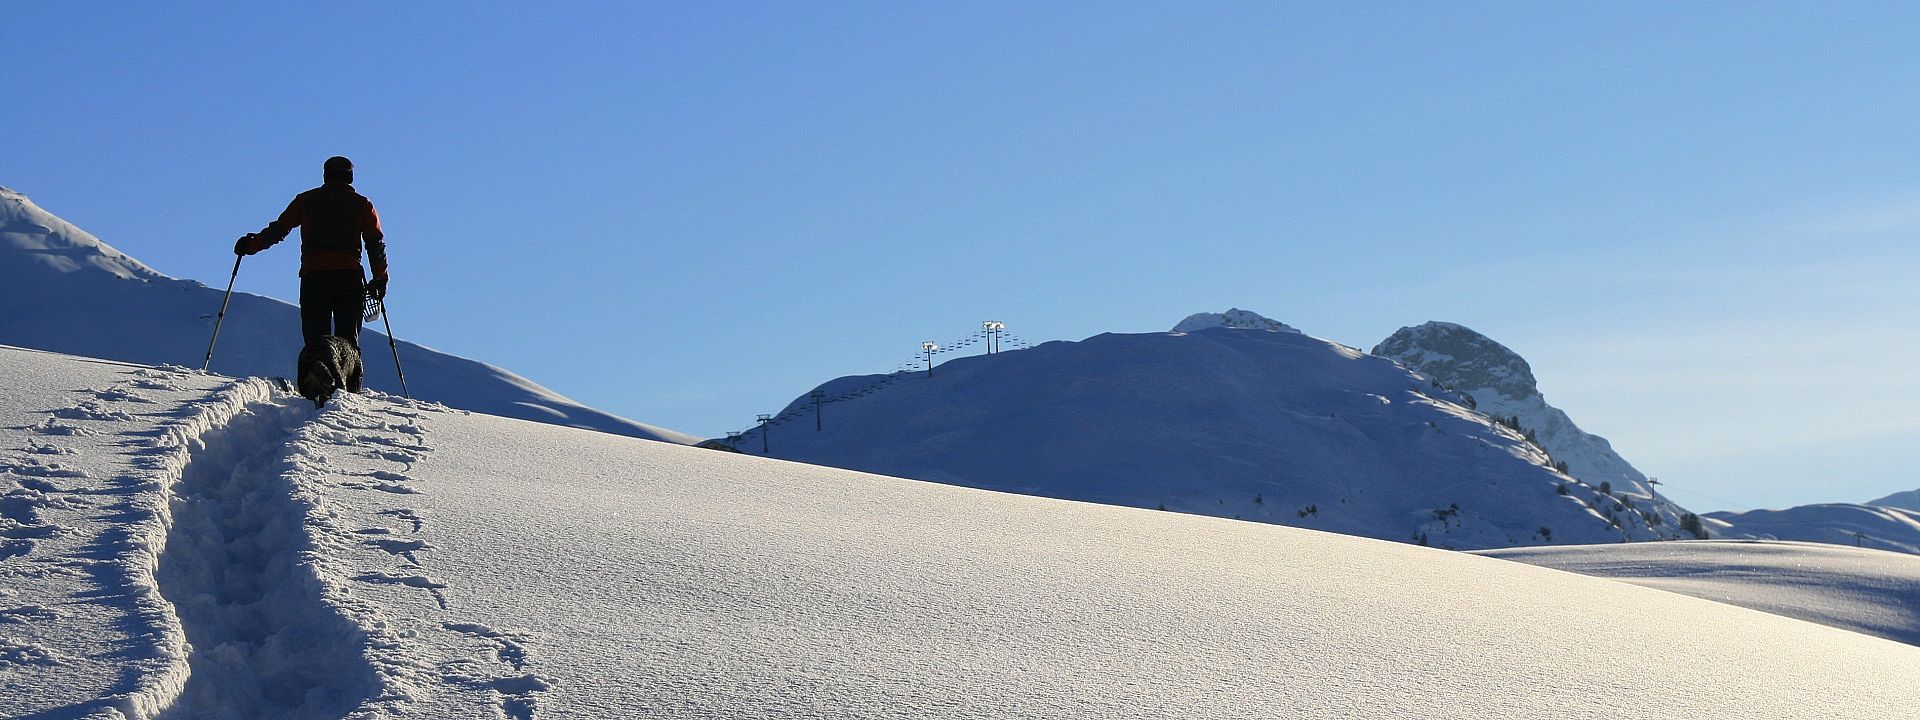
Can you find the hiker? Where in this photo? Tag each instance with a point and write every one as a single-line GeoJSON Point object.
{"type": "Point", "coordinates": [333, 219]}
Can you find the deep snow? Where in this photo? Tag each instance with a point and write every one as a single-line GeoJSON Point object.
{"type": "Point", "coordinates": [394, 559]}
{"type": "Point", "coordinates": [65, 290]}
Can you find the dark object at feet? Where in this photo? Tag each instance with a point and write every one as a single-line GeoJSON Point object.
{"type": "Point", "coordinates": [327, 366]}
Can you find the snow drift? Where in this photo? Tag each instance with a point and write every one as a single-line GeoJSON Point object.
{"type": "Point", "coordinates": [67, 291]}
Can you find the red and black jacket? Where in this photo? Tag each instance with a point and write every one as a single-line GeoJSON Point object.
{"type": "Point", "coordinates": [333, 219]}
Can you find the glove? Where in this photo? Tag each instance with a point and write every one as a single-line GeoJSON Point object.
{"type": "Point", "coordinates": [378, 288]}
{"type": "Point", "coordinates": [248, 244]}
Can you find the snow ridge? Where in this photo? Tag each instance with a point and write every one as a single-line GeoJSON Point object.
{"type": "Point", "coordinates": [1908, 500]}
{"type": "Point", "coordinates": [1503, 386]}
{"type": "Point", "coordinates": [66, 291]}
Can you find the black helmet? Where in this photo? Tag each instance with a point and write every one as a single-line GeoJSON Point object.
{"type": "Point", "coordinates": [337, 169]}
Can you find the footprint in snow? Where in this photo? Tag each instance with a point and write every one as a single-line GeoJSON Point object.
{"type": "Point", "coordinates": [33, 532]}
{"type": "Point", "coordinates": [54, 427]}
{"type": "Point", "coordinates": [120, 394]}
{"type": "Point", "coordinates": [15, 548]}
{"type": "Point", "coordinates": [402, 547]}
{"type": "Point", "coordinates": [393, 442]}
{"type": "Point", "coordinates": [518, 695]}
{"type": "Point", "coordinates": [39, 448]}
{"type": "Point", "coordinates": [13, 652]}
{"type": "Point", "coordinates": [512, 649]}
{"type": "Point", "coordinates": [26, 614]}
{"type": "Point", "coordinates": [89, 410]}
{"type": "Point", "coordinates": [411, 516]}
{"type": "Point", "coordinates": [400, 456]}
{"type": "Point", "coordinates": [35, 467]}
{"type": "Point", "coordinates": [413, 581]}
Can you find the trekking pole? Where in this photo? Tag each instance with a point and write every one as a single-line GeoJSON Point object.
{"type": "Point", "coordinates": [223, 312]}
{"type": "Point", "coordinates": [396, 349]}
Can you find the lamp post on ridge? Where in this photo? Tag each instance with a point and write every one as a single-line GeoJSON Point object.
{"type": "Point", "coordinates": [993, 328]}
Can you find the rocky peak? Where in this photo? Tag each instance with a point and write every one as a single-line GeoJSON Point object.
{"type": "Point", "coordinates": [1232, 318]}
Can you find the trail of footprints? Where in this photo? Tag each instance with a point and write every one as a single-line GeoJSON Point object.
{"type": "Point", "coordinates": [40, 487]}
{"type": "Point", "coordinates": [44, 498]}
{"type": "Point", "coordinates": [398, 440]}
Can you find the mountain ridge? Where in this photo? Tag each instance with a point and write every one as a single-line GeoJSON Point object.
{"type": "Point", "coordinates": [68, 291]}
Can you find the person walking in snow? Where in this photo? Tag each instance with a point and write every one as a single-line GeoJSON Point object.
{"type": "Point", "coordinates": [334, 221]}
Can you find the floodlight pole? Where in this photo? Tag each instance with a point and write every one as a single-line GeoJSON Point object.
{"type": "Point", "coordinates": [818, 395]}
{"type": "Point", "coordinates": [763, 433]}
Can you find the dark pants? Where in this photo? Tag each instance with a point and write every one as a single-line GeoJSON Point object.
{"type": "Point", "coordinates": [331, 302]}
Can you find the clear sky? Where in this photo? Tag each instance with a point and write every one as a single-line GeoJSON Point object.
{"type": "Point", "coordinates": [1696, 220]}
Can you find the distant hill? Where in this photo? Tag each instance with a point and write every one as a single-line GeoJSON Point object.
{"type": "Point", "coordinates": [1264, 424]}
{"type": "Point", "coordinates": [1870, 526]}
{"type": "Point", "coordinates": [1909, 500]}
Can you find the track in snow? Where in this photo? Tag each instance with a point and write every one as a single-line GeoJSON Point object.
{"type": "Point", "coordinates": [264, 643]}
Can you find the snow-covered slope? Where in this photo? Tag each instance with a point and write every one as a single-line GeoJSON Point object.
{"type": "Point", "coordinates": [1871, 526]}
{"type": "Point", "coordinates": [1908, 500]}
{"type": "Point", "coordinates": [1276, 427]}
{"type": "Point", "coordinates": [67, 291]}
{"type": "Point", "coordinates": [1502, 385]}
{"type": "Point", "coordinates": [201, 547]}
{"type": "Point", "coordinates": [1867, 591]}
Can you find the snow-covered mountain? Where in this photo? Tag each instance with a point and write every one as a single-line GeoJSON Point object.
{"type": "Point", "coordinates": [1255, 424]}
{"type": "Point", "coordinates": [65, 290]}
{"type": "Point", "coordinates": [1908, 500]}
{"type": "Point", "coordinates": [178, 545]}
{"type": "Point", "coordinates": [1502, 385]}
{"type": "Point", "coordinates": [1872, 526]}
{"type": "Point", "coordinates": [1866, 591]}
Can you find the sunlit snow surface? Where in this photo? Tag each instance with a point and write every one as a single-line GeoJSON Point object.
{"type": "Point", "coordinates": [180, 546]}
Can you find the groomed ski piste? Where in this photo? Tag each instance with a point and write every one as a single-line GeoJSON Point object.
{"type": "Point", "coordinates": [180, 545]}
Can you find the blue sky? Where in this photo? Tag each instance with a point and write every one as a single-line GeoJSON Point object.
{"type": "Point", "coordinates": [1696, 220]}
